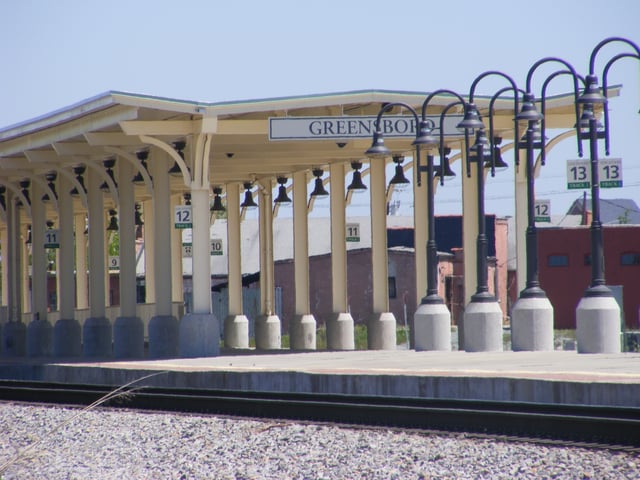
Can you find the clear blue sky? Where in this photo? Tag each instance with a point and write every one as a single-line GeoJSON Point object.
{"type": "Point", "coordinates": [56, 53]}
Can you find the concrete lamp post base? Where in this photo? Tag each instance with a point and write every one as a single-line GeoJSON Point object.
{"type": "Point", "coordinates": [302, 331]}
{"type": "Point", "coordinates": [236, 331]}
{"type": "Point", "coordinates": [128, 337]}
{"type": "Point", "coordinates": [267, 332]}
{"type": "Point", "coordinates": [598, 325]}
{"type": "Point", "coordinates": [381, 331]}
{"type": "Point", "coordinates": [432, 327]}
{"type": "Point", "coordinates": [199, 335]}
{"type": "Point", "coordinates": [483, 327]}
{"type": "Point", "coordinates": [67, 338]}
{"type": "Point", "coordinates": [340, 332]}
{"type": "Point", "coordinates": [532, 324]}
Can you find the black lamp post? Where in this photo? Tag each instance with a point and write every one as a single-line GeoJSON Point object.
{"type": "Point", "coordinates": [484, 149]}
{"type": "Point", "coordinates": [530, 114]}
{"type": "Point", "coordinates": [482, 325]}
{"type": "Point", "coordinates": [590, 97]}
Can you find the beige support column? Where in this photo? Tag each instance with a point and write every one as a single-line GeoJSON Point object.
{"type": "Point", "coordinates": [521, 220]}
{"type": "Point", "coordinates": [97, 329]}
{"type": "Point", "coordinates": [200, 329]}
{"type": "Point", "coordinates": [381, 334]}
{"type": "Point", "coordinates": [163, 327]}
{"type": "Point", "coordinates": [128, 329]}
{"type": "Point", "coordinates": [39, 330]}
{"type": "Point", "coordinates": [340, 334]}
{"type": "Point", "coordinates": [421, 227]}
{"type": "Point", "coordinates": [236, 325]}
{"type": "Point", "coordinates": [67, 332]}
{"type": "Point", "coordinates": [107, 272]}
{"type": "Point", "coordinates": [149, 251]}
{"type": "Point", "coordinates": [82, 286]}
{"type": "Point", "coordinates": [25, 268]}
{"type": "Point", "coordinates": [14, 332]}
{"type": "Point", "coordinates": [177, 286]}
{"type": "Point", "coordinates": [303, 326]}
{"type": "Point", "coordinates": [267, 326]}
{"type": "Point", "coordinates": [4, 245]}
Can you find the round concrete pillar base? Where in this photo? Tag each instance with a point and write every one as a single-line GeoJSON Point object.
{"type": "Point", "coordinates": [163, 337]}
{"type": "Point", "coordinates": [128, 337]}
{"type": "Point", "coordinates": [432, 327]}
{"type": "Point", "coordinates": [97, 337]}
{"type": "Point", "coordinates": [199, 335]}
{"type": "Point", "coordinates": [532, 325]}
{"type": "Point", "coordinates": [236, 331]}
{"type": "Point", "coordinates": [598, 325]}
{"type": "Point", "coordinates": [302, 332]}
{"type": "Point", "coordinates": [14, 339]}
{"type": "Point", "coordinates": [39, 338]}
{"type": "Point", "coordinates": [267, 332]}
{"type": "Point", "coordinates": [381, 331]}
{"type": "Point", "coordinates": [67, 338]}
{"type": "Point", "coordinates": [483, 327]}
{"type": "Point", "coordinates": [340, 332]}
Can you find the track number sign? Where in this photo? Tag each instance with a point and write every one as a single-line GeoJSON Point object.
{"type": "Point", "coordinates": [609, 173]}
{"type": "Point", "coordinates": [353, 232]}
{"type": "Point", "coordinates": [542, 210]}
{"type": "Point", "coordinates": [182, 216]}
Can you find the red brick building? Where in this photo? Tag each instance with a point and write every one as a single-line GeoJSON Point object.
{"type": "Point", "coordinates": [565, 269]}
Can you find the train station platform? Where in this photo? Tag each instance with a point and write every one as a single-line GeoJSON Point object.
{"type": "Point", "coordinates": [543, 377]}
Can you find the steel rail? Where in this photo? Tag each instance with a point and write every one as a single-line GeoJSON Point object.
{"type": "Point", "coordinates": [599, 425]}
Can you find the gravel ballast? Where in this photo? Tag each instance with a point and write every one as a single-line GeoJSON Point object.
{"type": "Point", "coordinates": [121, 444]}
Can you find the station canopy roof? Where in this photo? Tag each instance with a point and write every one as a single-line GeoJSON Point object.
{"type": "Point", "coordinates": [241, 150]}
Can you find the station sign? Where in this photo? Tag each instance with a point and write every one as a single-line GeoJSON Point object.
{"type": "Point", "coordinates": [542, 209]}
{"type": "Point", "coordinates": [182, 217]}
{"type": "Point", "coordinates": [579, 173]}
{"type": "Point", "coordinates": [216, 246]}
{"type": "Point", "coordinates": [352, 127]}
{"type": "Point", "coordinates": [114, 262]}
{"type": "Point", "coordinates": [353, 232]}
{"type": "Point", "coordinates": [51, 239]}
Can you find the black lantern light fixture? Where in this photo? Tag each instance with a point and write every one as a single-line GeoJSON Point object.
{"type": "Point", "coordinates": [399, 181]}
{"type": "Point", "coordinates": [445, 166]}
{"type": "Point", "coordinates": [179, 147]}
{"type": "Point", "coordinates": [50, 177]}
{"type": "Point", "coordinates": [79, 172]}
{"type": "Point", "coordinates": [318, 189]}
{"type": "Point", "coordinates": [113, 221]}
{"type": "Point", "coordinates": [282, 191]}
{"type": "Point", "coordinates": [28, 241]}
{"type": "Point", "coordinates": [108, 163]}
{"type": "Point", "coordinates": [248, 201]}
{"type": "Point", "coordinates": [217, 200]}
{"type": "Point", "coordinates": [3, 200]}
{"type": "Point", "coordinates": [24, 185]}
{"type": "Point", "coordinates": [356, 185]}
{"type": "Point", "coordinates": [142, 155]}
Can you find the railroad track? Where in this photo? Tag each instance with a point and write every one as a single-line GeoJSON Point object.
{"type": "Point", "coordinates": [569, 423]}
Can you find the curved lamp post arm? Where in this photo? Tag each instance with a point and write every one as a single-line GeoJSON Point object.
{"type": "Point", "coordinates": [605, 73]}
{"type": "Point", "coordinates": [441, 138]}
{"type": "Point", "coordinates": [575, 92]}
{"type": "Point", "coordinates": [442, 91]}
{"type": "Point", "coordinates": [543, 101]}
{"type": "Point", "coordinates": [516, 102]}
{"type": "Point", "coordinates": [378, 149]}
{"type": "Point", "coordinates": [491, 129]}
{"type": "Point", "coordinates": [594, 52]}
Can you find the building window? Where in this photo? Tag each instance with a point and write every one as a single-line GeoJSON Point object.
{"type": "Point", "coordinates": [558, 260]}
{"type": "Point", "coordinates": [630, 259]}
{"type": "Point", "coordinates": [392, 287]}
